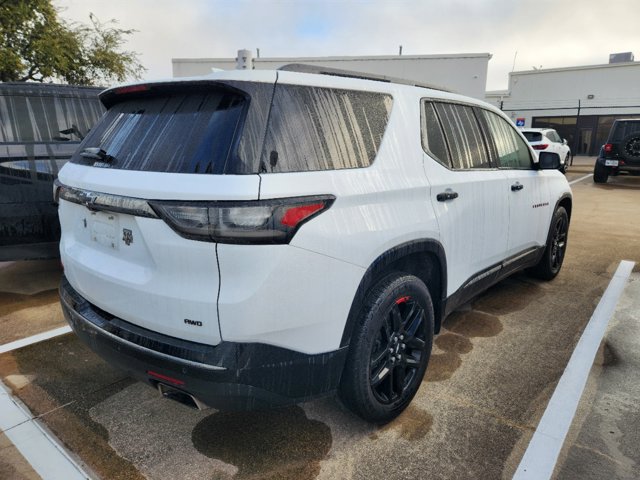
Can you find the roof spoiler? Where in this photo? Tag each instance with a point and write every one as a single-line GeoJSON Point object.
{"type": "Point", "coordinates": [336, 72]}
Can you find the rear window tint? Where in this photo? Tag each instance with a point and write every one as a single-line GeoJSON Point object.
{"type": "Point", "coordinates": [185, 132]}
{"type": "Point", "coordinates": [41, 119]}
{"type": "Point", "coordinates": [533, 136]}
{"type": "Point", "coordinates": [463, 135]}
{"type": "Point", "coordinates": [624, 129]}
{"type": "Point", "coordinates": [312, 128]}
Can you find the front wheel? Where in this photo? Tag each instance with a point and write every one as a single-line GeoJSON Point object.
{"type": "Point", "coordinates": [389, 349]}
{"type": "Point", "coordinates": [551, 262]}
{"type": "Point", "coordinates": [567, 159]}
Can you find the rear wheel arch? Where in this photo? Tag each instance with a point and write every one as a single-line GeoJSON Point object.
{"type": "Point", "coordinates": [424, 259]}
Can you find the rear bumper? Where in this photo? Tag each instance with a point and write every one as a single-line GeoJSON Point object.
{"type": "Point", "coordinates": [228, 376]}
{"type": "Point", "coordinates": [623, 165]}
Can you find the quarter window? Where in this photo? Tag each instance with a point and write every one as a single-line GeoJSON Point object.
{"type": "Point", "coordinates": [433, 140]}
{"type": "Point", "coordinates": [510, 147]}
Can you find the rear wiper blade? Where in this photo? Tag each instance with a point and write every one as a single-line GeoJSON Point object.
{"type": "Point", "coordinates": [96, 153]}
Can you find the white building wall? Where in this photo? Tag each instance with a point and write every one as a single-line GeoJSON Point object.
{"type": "Point", "coordinates": [565, 92]}
{"type": "Point", "coordinates": [558, 92]}
{"type": "Point", "coordinates": [462, 73]}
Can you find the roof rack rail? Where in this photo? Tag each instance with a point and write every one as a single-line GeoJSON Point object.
{"type": "Point", "coordinates": [336, 72]}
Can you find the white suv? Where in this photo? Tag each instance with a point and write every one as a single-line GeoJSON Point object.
{"type": "Point", "coordinates": [548, 140]}
{"type": "Point", "coordinates": [257, 238]}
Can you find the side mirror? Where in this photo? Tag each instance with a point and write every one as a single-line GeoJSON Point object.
{"type": "Point", "coordinates": [564, 141]}
{"type": "Point", "coordinates": [548, 161]}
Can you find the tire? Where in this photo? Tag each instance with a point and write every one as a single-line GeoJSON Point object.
{"type": "Point", "coordinates": [630, 147]}
{"type": "Point", "coordinates": [389, 350]}
{"type": "Point", "coordinates": [566, 163]}
{"type": "Point", "coordinates": [551, 262]}
{"type": "Point", "coordinates": [600, 173]}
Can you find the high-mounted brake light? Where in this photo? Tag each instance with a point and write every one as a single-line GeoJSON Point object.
{"type": "Point", "coordinates": [252, 222]}
{"type": "Point", "coordinates": [540, 146]}
{"type": "Point", "coordinates": [608, 148]}
{"type": "Point", "coordinates": [131, 89]}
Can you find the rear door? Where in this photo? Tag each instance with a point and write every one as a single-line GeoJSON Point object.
{"type": "Point", "coordinates": [467, 192]}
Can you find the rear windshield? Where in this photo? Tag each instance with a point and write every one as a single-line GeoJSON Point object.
{"type": "Point", "coordinates": [188, 132]}
{"type": "Point", "coordinates": [45, 119]}
{"type": "Point", "coordinates": [533, 136]}
{"type": "Point", "coordinates": [624, 129]}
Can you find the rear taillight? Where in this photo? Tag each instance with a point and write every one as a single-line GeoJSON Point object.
{"type": "Point", "coordinates": [608, 148]}
{"type": "Point", "coordinates": [250, 222]}
{"type": "Point", "coordinates": [540, 146]}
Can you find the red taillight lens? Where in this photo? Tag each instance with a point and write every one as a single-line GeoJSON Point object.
{"type": "Point", "coordinates": [295, 215]}
{"type": "Point", "coordinates": [608, 148]}
{"type": "Point", "coordinates": [540, 146]}
{"type": "Point", "coordinates": [252, 222]}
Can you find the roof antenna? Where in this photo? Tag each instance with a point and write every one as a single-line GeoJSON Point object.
{"type": "Point", "coordinates": [400, 53]}
{"type": "Point", "coordinates": [258, 52]}
{"type": "Point", "coordinates": [514, 61]}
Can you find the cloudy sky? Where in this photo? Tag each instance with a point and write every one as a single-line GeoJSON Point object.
{"type": "Point", "coordinates": [547, 33]}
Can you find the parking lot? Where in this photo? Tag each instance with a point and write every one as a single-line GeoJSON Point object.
{"type": "Point", "coordinates": [494, 367]}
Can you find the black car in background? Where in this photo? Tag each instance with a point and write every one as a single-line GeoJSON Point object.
{"type": "Point", "coordinates": [621, 153]}
{"type": "Point", "coordinates": [41, 126]}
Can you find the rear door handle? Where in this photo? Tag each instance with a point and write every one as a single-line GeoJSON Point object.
{"type": "Point", "coordinates": [516, 186]}
{"type": "Point", "coordinates": [448, 194]}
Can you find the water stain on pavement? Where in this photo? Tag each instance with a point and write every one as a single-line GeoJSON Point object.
{"type": "Point", "coordinates": [13, 302]}
{"type": "Point", "coordinates": [59, 380]}
{"type": "Point", "coordinates": [450, 342]}
{"type": "Point", "coordinates": [272, 444]}
{"type": "Point", "coordinates": [474, 324]}
{"type": "Point", "coordinates": [508, 296]}
{"type": "Point", "coordinates": [442, 366]}
{"type": "Point", "coordinates": [412, 424]}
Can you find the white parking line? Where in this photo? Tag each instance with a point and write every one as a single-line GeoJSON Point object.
{"type": "Point", "coordinates": [580, 179]}
{"type": "Point", "coordinates": [542, 453]}
{"type": "Point", "coordinates": [7, 347]}
{"type": "Point", "coordinates": [45, 454]}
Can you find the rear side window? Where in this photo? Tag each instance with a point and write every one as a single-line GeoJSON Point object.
{"type": "Point", "coordinates": [42, 119]}
{"type": "Point", "coordinates": [191, 131]}
{"type": "Point", "coordinates": [533, 136]}
{"type": "Point", "coordinates": [312, 128]}
{"type": "Point", "coordinates": [463, 136]}
{"type": "Point", "coordinates": [511, 149]}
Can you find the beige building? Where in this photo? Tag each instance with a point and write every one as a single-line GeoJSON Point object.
{"type": "Point", "coordinates": [462, 73]}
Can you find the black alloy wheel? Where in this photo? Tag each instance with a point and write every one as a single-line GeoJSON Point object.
{"type": "Point", "coordinates": [551, 262]}
{"type": "Point", "coordinates": [559, 241]}
{"type": "Point", "coordinates": [398, 350]}
{"type": "Point", "coordinates": [389, 348]}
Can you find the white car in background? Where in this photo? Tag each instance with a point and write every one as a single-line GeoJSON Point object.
{"type": "Point", "coordinates": [548, 140]}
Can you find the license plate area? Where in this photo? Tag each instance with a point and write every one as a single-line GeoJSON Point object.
{"type": "Point", "coordinates": [104, 228]}
{"type": "Point", "coordinates": [611, 163]}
